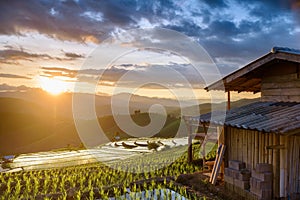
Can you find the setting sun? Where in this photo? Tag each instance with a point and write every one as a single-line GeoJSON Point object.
{"type": "Point", "coordinates": [52, 85]}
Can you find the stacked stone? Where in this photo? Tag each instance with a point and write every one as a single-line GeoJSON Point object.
{"type": "Point", "coordinates": [261, 181]}
{"type": "Point", "coordinates": [237, 175]}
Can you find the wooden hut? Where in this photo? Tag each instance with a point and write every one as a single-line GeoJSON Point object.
{"type": "Point", "coordinates": [265, 132]}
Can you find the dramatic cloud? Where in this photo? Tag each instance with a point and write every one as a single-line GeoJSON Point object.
{"type": "Point", "coordinates": [59, 19]}
{"type": "Point", "coordinates": [58, 71]}
{"type": "Point", "coordinates": [73, 55]}
{"type": "Point", "coordinates": [233, 32]}
{"type": "Point", "coordinates": [12, 55]}
{"type": "Point", "coordinates": [136, 74]}
{"type": "Point", "coordinates": [13, 76]}
{"type": "Point", "coordinates": [10, 88]}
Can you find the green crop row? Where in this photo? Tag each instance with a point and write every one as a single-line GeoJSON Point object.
{"type": "Point", "coordinates": [146, 172]}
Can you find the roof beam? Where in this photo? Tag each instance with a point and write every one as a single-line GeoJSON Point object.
{"type": "Point", "coordinates": [250, 72]}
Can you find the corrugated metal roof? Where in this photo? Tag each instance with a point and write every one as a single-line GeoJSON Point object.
{"type": "Point", "coordinates": [285, 49]}
{"type": "Point", "coordinates": [276, 117]}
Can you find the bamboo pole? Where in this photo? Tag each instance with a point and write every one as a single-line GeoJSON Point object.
{"type": "Point", "coordinates": [233, 145]}
{"type": "Point", "coordinates": [253, 149]}
{"type": "Point", "coordinates": [204, 144]}
{"type": "Point", "coordinates": [261, 144]}
{"type": "Point", "coordinates": [249, 150]}
{"type": "Point", "coordinates": [244, 147]}
{"type": "Point", "coordinates": [189, 130]}
{"type": "Point", "coordinates": [282, 168]}
{"type": "Point", "coordinates": [227, 143]}
{"type": "Point", "coordinates": [277, 168]}
{"type": "Point", "coordinates": [190, 145]}
{"type": "Point", "coordinates": [262, 147]}
{"type": "Point", "coordinates": [217, 165]}
{"type": "Point", "coordinates": [256, 157]}
{"type": "Point", "coordinates": [287, 164]}
{"type": "Point", "coordinates": [228, 100]}
{"type": "Point", "coordinates": [265, 149]}
{"type": "Point", "coordinates": [239, 141]}
{"type": "Point", "coordinates": [295, 166]}
{"type": "Point", "coordinates": [269, 151]}
{"type": "Point", "coordinates": [221, 141]}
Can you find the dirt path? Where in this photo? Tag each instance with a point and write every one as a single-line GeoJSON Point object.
{"type": "Point", "coordinates": [198, 183]}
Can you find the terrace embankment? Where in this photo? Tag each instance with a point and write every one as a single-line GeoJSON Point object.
{"type": "Point", "coordinates": [198, 184]}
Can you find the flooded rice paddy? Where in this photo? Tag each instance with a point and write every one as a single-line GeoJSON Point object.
{"type": "Point", "coordinates": [107, 153]}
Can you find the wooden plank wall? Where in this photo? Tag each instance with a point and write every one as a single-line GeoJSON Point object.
{"type": "Point", "coordinates": [293, 164]}
{"type": "Point", "coordinates": [281, 88]}
{"type": "Point", "coordinates": [248, 146]}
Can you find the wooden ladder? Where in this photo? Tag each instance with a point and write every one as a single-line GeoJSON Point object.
{"type": "Point", "coordinates": [217, 165]}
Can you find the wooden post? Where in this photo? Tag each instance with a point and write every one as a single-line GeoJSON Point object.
{"type": "Point", "coordinates": [249, 150]}
{"type": "Point", "coordinates": [204, 145]}
{"type": "Point", "coordinates": [190, 147]}
{"type": "Point", "coordinates": [277, 168]}
{"type": "Point", "coordinates": [283, 172]}
{"type": "Point", "coordinates": [221, 140]}
{"type": "Point", "coordinates": [189, 133]}
{"type": "Point", "coordinates": [218, 161]}
{"type": "Point", "coordinates": [265, 149]}
{"type": "Point", "coordinates": [253, 162]}
{"type": "Point", "coordinates": [298, 71]}
{"type": "Point", "coordinates": [261, 147]}
{"type": "Point", "coordinates": [228, 100]}
{"type": "Point", "coordinates": [245, 147]}
{"type": "Point", "coordinates": [270, 152]}
{"type": "Point", "coordinates": [288, 164]}
{"type": "Point", "coordinates": [256, 156]}
{"type": "Point", "coordinates": [227, 143]}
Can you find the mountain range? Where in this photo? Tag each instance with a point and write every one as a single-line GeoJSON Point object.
{"type": "Point", "coordinates": [37, 121]}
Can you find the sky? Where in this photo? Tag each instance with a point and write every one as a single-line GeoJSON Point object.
{"type": "Point", "coordinates": [52, 44]}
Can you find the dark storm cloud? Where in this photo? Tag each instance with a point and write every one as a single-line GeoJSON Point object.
{"type": "Point", "coordinates": [13, 76]}
{"type": "Point", "coordinates": [223, 29]}
{"type": "Point", "coordinates": [215, 3]}
{"type": "Point", "coordinates": [69, 20]}
{"type": "Point", "coordinates": [187, 27]}
{"type": "Point", "coordinates": [58, 19]}
{"type": "Point", "coordinates": [77, 20]}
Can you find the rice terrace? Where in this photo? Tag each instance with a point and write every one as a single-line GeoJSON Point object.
{"type": "Point", "coordinates": [149, 100]}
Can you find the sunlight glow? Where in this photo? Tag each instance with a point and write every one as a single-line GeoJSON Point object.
{"type": "Point", "coordinates": [52, 85]}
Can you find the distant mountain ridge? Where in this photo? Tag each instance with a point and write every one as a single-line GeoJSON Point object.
{"type": "Point", "coordinates": [63, 102]}
{"type": "Point", "coordinates": [40, 122]}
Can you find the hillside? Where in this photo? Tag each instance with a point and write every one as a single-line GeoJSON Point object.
{"type": "Point", "coordinates": [27, 127]}
{"type": "Point", "coordinates": [206, 107]}
{"type": "Point", "coordinates": [63, 102]}
{"type": "Point", "coordinates": [31, 126]}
